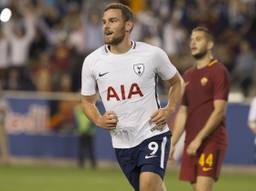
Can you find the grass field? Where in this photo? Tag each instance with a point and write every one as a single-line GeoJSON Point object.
{"type": "Point", "coordinates": [35, 178]}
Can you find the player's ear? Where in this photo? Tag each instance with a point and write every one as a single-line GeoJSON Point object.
{"type": "Point", "coordinates": [129, 26]}
{"type": "Point", "coordinates": [210, 45]}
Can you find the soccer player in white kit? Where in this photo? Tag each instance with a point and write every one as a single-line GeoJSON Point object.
{"type": "Point", "coordinates": [124, 72]}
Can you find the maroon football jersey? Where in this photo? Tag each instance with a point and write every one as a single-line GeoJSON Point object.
{"type": "Point", "coordinates": [203, 86]}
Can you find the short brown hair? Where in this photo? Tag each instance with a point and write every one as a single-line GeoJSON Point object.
{"type": "Point", "coordinates": [126, 11]}
{"type": "Point", "coordinates": [205, 30]}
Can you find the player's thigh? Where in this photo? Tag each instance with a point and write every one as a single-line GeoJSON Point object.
{"type": "Point", "coordinates": [150, 181]}
{"type": "Point", "coordinates": [128, 163]}
{"type": "Point", "coordinates": [153, 157]}
{"type": "Point", "coordinates": [188, 167]}
{"type": "Point", "coordinates": [204, 183]}
{"type": "Point", "coordinates": [210, 160]}
{"type": "Point", "coordinates": [154, 153]}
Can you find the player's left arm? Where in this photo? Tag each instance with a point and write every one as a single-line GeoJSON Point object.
{"type": "Point", "coordinates": [175, 92]}
{"type": "Point", "coordinates": [212, 123]}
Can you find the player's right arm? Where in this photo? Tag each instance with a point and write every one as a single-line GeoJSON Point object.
{"type": "Point", "coordinates": [178, 127]}
{"type": "Point", "coordinates": [89, 97]}
{"type": "Point", "coordinates": [108, 120]}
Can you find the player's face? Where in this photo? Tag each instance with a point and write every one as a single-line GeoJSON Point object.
{"type": "Point", "coordinates": [198, 44]}
{"type": "Point", "coordinates": [113, 27]}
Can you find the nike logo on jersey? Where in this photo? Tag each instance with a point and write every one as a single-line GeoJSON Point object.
{"type": "Point", "coordinates": [103, 74]}
{"type": "Point", "coordinates": [150, 156]}
{"type": "Point", "coordinates": [205, 169]}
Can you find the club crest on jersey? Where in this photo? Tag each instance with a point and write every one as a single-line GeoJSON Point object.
{"type": "Point", "coordinates": [204, 81]}
{"type": "Point", "coordinates": [138, 69]}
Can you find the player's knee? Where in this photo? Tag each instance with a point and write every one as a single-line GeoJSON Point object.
{"type": "Point", "coordinates": [148, 183]}
{"type": "Point", "coordinates": [203, 188]}
{"type": "Point", "coordinates": [204, 183]}
{"type": "Point", "coordinates": [151, 187]}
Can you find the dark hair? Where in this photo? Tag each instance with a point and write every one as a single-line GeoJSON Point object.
{"type": "Point", "coordinates": [126, 11]}
{"type": "Point", "coordinates": [205, 30]}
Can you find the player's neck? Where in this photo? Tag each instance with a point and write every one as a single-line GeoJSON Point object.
{"type": "Point", "coordinates": [122, 47]}
{"type": "Point", "coordinates": [204, 61]}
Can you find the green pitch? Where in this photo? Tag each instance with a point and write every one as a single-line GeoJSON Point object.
{"type": "Point", "coordinates": [32, 178]}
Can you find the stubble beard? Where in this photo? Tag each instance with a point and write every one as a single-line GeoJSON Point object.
{"type": "Point", "coordinates": [117, 39]}
{"type": "Point", "coordinates": [200, 55]}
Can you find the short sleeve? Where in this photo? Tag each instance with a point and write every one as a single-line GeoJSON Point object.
{"type": "Point", "coordinates": [184, 96]}
{"type": "Point", "coordinates": [87, 79]}
{"type": "Point", "coordinates": [221, 84]}
{"type": "Point", "coordinates": [252, 111]}
{"type": "Point", "coordinates": [164, 68]}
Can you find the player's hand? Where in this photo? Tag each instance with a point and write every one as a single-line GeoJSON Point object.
{"type": "Point", "coordinates": [158, 118]}
{"type": "Point", "coordinates": [254, 131]}
{"type": "Point", "coordinates": [193, 147]}
{"type": "Point", "coordinates": [108, 120]}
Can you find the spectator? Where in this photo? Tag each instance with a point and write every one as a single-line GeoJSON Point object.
{"type": "Point", "coordinates": [174, 36]}
{"type": "Point", "coordinates": [20, 34]}
{"type": "Point", "coordinates": [244, 67]}
{"type": "Point", "coordinates": [63, 119]}
{"type": "Point", "coordinates": [93, 32]}
{"type": "Point", "coordinates": [4, 59]}
{"type": "Point", "coordinates": [77, 46]}
{"type": "Point", "coordinates": [43, 72]}
{"type": "Point", "coordinates": [60, 60]}
{"type": "Point", "coordinates": [12, 80]}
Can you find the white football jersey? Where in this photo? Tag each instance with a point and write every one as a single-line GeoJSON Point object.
{"type": "Point", "coordinates": [127, 85]}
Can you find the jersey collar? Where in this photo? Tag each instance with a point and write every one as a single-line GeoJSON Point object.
{"type": "Point", "coordinates": [212, 62]}
{"type": "Point", "coordinates": [132, 42]}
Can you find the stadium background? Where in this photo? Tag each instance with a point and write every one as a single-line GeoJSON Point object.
{"type": "Point", "coordinates": [42, 49]}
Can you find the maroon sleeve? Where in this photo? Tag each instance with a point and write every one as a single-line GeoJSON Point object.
{"type": "Point", "coordinates": [184, 97]}
{"type": "Point", "coordinates": [221, 83]}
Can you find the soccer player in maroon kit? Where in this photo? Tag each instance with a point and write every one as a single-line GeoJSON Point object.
{"type": "Point", "coordinates": [202, 115]}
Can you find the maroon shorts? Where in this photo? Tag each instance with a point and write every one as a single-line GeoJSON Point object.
{"type": "Point", "coordinates": [207, 162]}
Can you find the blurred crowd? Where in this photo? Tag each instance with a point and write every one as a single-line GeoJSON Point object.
{"type": "Point", "coordinates": [43, 46]}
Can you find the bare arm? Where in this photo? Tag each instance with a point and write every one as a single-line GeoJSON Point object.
{"type": "Point", "coordinates": [252, 126]}
{"type": "Point", "coordinates": [252, 116]}
{"type": "Point", "coordinates": [179, 124]}
{"type": "Point", "coordinates": [178, 128]}
{"type": "Point", "coordinates": [212, 123]}
{"type": "Point", "coordinates": [175, 92]}
{"type": "Point", "coordinates": [107, 121]}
